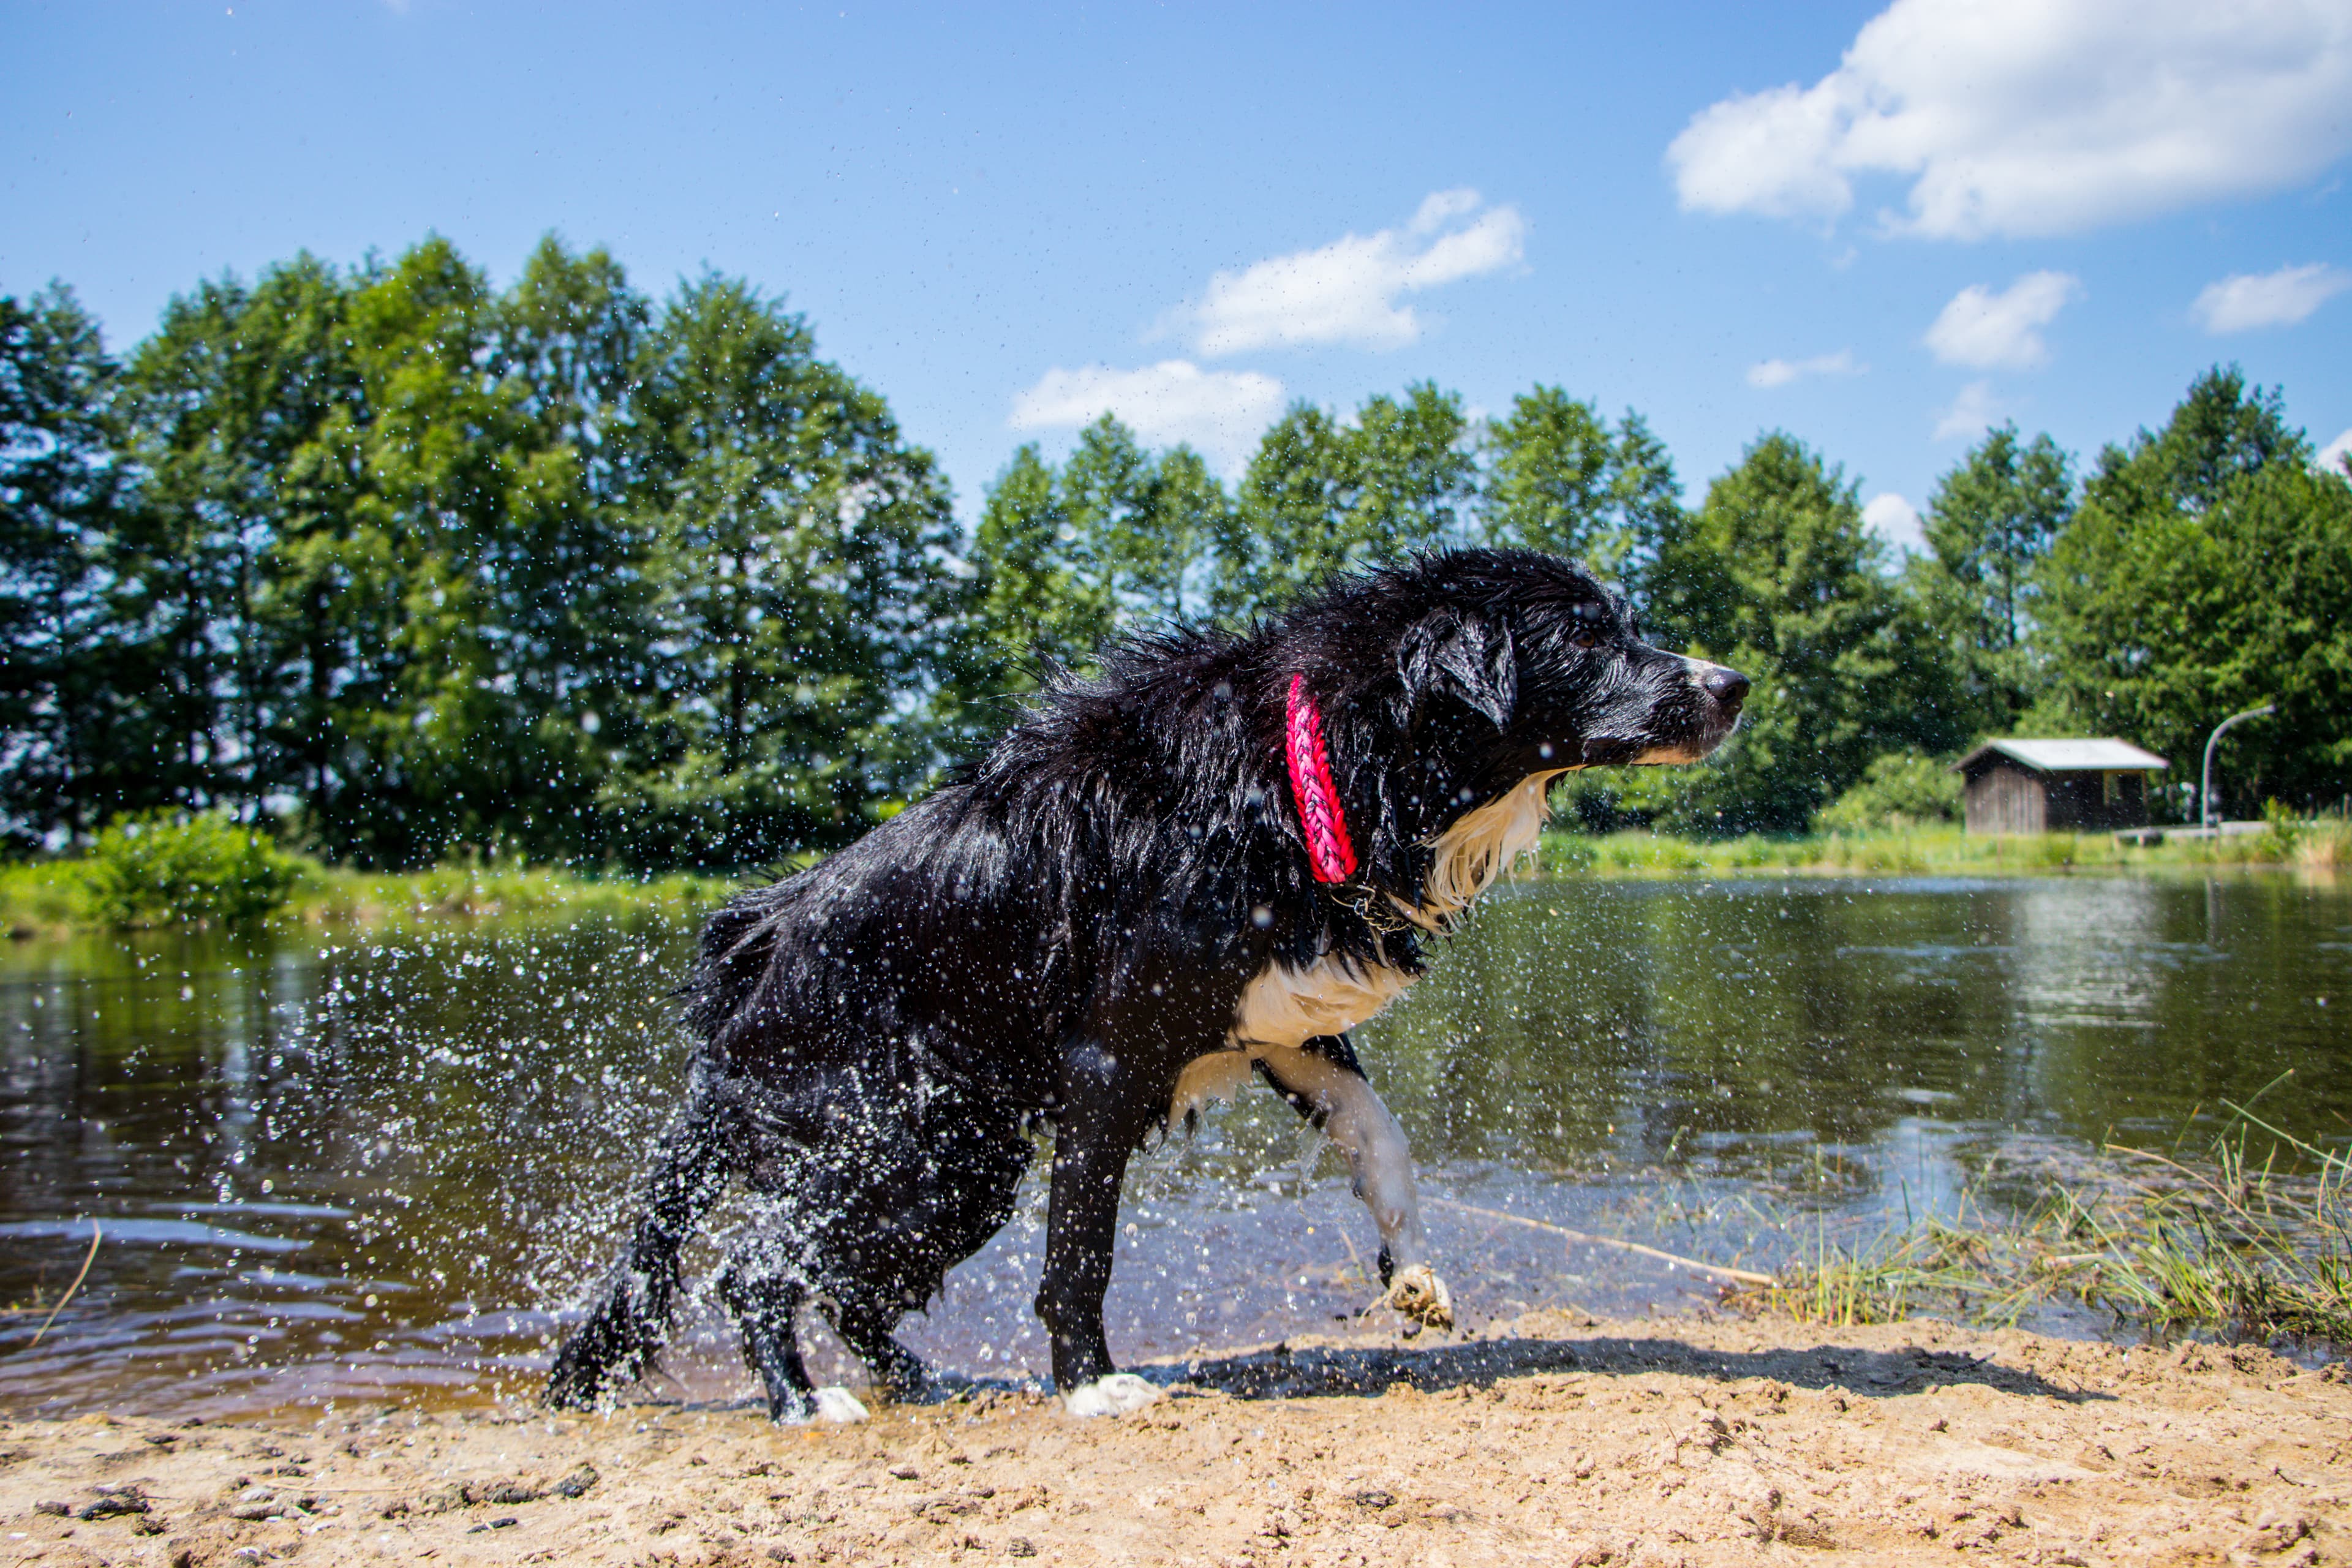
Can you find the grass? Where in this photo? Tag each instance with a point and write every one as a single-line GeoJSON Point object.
{"type": "Point", "coordinates": [2322, 847]}
{"type": "Point", "coordinates": [337, 895]}
{"type": "Point", "coordinates": [192, 873]}
{"type": "Point", "coordinates": [53, 898]}
{"type": "Point", "coordinates": [2222, 1240]}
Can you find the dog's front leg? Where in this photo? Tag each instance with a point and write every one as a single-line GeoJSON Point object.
{"type": "Point", "coordinates": [1327, 1086]}
{"type": "Point", "coordinates": [1094, 1134]}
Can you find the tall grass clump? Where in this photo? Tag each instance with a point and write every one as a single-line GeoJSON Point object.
{"type": "Point", "coordinates": [2324, 845]}
{"type": "Point", "coordinates": [164, 867]}
{"type": "Point", "coordinates": [2250, 1237]}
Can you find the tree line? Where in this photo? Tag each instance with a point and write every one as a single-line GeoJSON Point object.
{"type": "Point", "coordinates": [408, 564]}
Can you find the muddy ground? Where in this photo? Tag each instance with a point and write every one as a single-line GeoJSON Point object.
{"type": "Point", "coordinates": [1551, 1439]}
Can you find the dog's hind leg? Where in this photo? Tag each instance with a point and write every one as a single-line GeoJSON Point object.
{"type": "Point", "coordinates": [1325, 1083]}
{"type": "Point", "coordinates": [611, 1347]}
{"type": "Point", "coordinates": [866, 1331]}
{"type": "Point", "coordinates": [926, 1203]}
{"type": "Point", "coordinates": [765, 1301]}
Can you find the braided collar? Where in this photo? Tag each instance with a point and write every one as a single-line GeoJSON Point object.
{"type": "Point", "coordinates": [1328, 852]}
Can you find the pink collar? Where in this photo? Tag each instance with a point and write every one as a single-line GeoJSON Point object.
{"type": "Point", "coordinates": [1319, 812]}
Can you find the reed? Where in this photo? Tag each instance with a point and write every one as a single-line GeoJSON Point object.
{"type": "Point", "coordinates": [2249, 1236]}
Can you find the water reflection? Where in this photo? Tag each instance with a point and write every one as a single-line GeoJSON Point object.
{"type": "Point", "coordinates": [339, 1169]}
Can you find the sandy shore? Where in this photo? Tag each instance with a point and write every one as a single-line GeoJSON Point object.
{"type": "Point", "coordinates": [1551, 1440]}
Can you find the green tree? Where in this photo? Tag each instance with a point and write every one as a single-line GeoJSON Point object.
{"type": "Point", "coordinates": [1117, 537]}
{"type": "Point", "coordinates": [237, 380]}
{"type": "Point", "coordinates": [1899, 789]}
{"type": "Point", "coordinates": [1035, 596]}
{"type": "Point", "coordinates": [1321, 497]}
{"type": "Point", "coordinates": [1144, 523]}
{"type": "Point", "coordinates": [1777, 575]}
{"type": "Point", "coordinates": [457, 564]}
{"type": "Point", "coordinates": [2208, 570]}
{"type": "Point", "coordinates": [799, 583]}
{"type": "Point", "coordinates": [567, 572]}
{"type": "Point", "coordinates": [1989, 523]}
{"type": "Point", "coordinates": [62, 695]}
{"type": "Point", "coordinates": [1558, 478]}
{"type": "Point", "coordinates": [434, 752]}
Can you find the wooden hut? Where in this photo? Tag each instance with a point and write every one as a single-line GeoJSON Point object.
{"type": "Point", "coordinates": [2057, 786]}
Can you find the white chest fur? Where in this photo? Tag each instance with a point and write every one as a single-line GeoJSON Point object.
{"type": "Point", "coordinates": [1475, 850]}
{"type": "Point", "coordinates": [1283, 1007]}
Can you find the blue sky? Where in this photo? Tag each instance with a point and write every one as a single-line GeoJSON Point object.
{"type": "Point", "coordinates": [1873, 227]}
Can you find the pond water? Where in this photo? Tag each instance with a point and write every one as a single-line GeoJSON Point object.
{"type": "Point", "coordinates": [339, 1167]}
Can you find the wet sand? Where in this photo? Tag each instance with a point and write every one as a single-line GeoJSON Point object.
{"type": "Point", "coordinates": [1549, 1439]}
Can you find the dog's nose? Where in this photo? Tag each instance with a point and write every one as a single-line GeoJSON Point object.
{"type": "Point", "coordinates": [1727, 687]}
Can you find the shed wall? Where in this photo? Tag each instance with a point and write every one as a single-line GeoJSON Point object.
{"type": "Point", "coordinates": [2003, 797]}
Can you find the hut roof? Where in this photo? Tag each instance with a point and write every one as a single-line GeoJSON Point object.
{"type": "Point", "coordinates": [2070, 756]}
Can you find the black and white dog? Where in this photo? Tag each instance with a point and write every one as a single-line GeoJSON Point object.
{"type": "Point", "coordinates": [1215, 858]}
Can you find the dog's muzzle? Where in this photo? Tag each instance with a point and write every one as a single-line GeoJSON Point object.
{"type": "Point", "coordinates": [1716, 695]}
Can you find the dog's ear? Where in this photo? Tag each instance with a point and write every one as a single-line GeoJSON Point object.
{"type": "Point", "coordinates": [1464, 656]}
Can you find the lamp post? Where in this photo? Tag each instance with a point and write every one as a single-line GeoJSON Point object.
{"type": "Point", "coordinates": [2205, 785]}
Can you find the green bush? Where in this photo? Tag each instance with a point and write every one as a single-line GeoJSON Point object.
{"type": "Point", "coordinates": [42, 895]}
{"type": "Point", "coordinates": [2282, 831]}
{"type": "Point", "coordinates": [164, 867]}
{"type": "Point", "coordinates": [1899, 789]}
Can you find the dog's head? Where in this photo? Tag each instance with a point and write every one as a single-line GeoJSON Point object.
{"type": "Point", "coordinates": [1555, 665]}
{"type": "Point", "coordinates": [1474, 678]}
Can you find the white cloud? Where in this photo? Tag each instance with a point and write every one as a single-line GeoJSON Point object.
{"type": "Point", "coordinates": [2038, 117]}
{"type": "Point", "coordinates": [1971, 413]}
{"type": "Point", "coordinates": [2332, 455]}
{"type": "Point", "coordinates": [2281, 298]}
{"type": "Point", "coordinates": [1220, 412]}
{"type": "Point", "coordinates": [1895, 519]}
{"type": "Point", "coordinates": [1349, 290]}
{"type": "Point", "coordinates": [1782, 372]}
{"type": "Point", "coordinates": [1987, 331]}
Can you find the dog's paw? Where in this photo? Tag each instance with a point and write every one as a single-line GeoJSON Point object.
{"type": "Point", "coordinates": [1419, 1294]}
{"type": "Point", "coordinates": [839, 1405]}
{"type": "Point", "coordinates": [1113, 1395]}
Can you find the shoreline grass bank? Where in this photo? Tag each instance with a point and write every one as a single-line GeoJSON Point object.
{"type": "Point", "coordinates": [54, 898]}
{"type": "Point", "coordinates": [1942, 850]}
{"type": "Point", "coordinates": [203, 872]}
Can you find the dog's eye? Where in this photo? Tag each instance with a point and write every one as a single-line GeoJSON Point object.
{"type": "Point", "coordinates": [1592, 625]}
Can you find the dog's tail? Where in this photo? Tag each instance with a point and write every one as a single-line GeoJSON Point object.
{"type": "Point", "coordinates": [610, 1349]}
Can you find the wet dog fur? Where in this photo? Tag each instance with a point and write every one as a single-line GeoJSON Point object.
{"type": "Point", "coordinates": [1109, 919]}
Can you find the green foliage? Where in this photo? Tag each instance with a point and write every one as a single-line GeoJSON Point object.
{"type": "Point", "coordinates": [2210, 570]}
{"type": "Point", "coordinates": [1777, 575]}
{"type": "Point", "coordinates": [219, 549]}
{"type": "Point", "coordinates": [794, 541]}
{"type": "Point", "coordinates": [163, 868]}
{"type": "Point", "coordinates": [1898, 789]}
{"type": "Point", "coordinates": [1940, 847]}
{"type": "Point", "coordinates": [41, 897]}
{"type": "Point", "coordinates": [60, 624]}
{"type": "Point", "coordinates": [565, 571]}
{"type": "Point", "coordinates": [1115, 536]}
{"type": "Point", "coordinates": [450, 566]}
{"type": "Point", "coordinates": [1990, 524]}
{"type": "Point", "coordinates": [1559, 479]}
{"type": "Point", "coordinates": [1321, 497]}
